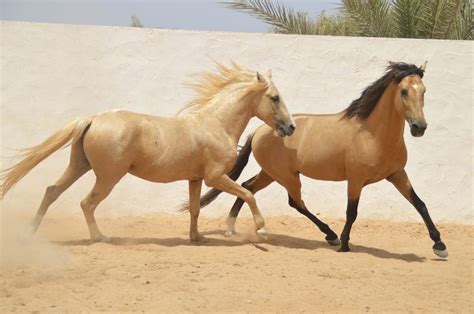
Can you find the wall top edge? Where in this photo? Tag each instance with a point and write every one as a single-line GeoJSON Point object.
{"type": "Point", "coordinates": [5, 23]}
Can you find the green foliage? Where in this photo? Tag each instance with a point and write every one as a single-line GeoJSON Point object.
{"type": "Point", "coordinates": [136, 22]}
{"type": "Point", "coordinates": [462, 27]}
{"type": "Point", "coordinates": [440, 19]}
{"type": "Point", "coordinates": [336, 25]}
{"type": "Point", "coordinates": [370, 17]}
{"type": "Point", "coordinates": [283, 20]}
{"type": "Point", "coordinates": [406, 14]}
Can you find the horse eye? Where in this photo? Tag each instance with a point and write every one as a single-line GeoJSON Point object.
{"type": "Point", "coordinates": [275, 98]}
{"type": "Point", "coordinates": [404, 92]}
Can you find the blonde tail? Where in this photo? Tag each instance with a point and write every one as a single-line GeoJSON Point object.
{"type": "Point", "coordinates": [32, 156]}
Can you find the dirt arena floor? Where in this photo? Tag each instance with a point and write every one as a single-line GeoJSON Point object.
{"type": "Point", "coordinates": [151, 266]}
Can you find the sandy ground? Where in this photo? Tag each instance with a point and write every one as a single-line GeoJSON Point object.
{"type": "Point", "coordinates": [151, 266]}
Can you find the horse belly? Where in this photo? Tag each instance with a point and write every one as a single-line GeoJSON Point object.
{"type": "Point", "coordinates": [324, 167]}
{"type": "Point", "coordinates": [167, 167]}
{"type": "Point", "coordinates": [167, 156]}
{"type": "Point", "coordinates": [161, 175]}
{"type": "Point", "coordinates": [322, 159]}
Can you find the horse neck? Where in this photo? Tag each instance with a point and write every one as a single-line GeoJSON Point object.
{"type": "Point", "coordinates": [234, 116]}
{"type": "Point", "coordinates": [386, 122]}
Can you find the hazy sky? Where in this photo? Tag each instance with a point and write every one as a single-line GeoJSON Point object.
{"type": "Point", "coordinates": [181, 14]}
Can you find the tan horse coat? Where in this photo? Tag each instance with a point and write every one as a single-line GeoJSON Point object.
{"type": "Point", "coordinates": [201, 145]}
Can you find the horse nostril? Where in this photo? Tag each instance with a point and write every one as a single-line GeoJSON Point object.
{"type": "Point", "coordinates": [419, 126]}
{"type": "Point", "coordinates": [292, 127]}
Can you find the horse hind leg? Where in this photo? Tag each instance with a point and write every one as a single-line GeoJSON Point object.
{"type": "Point", "coordinates": [255, 184]}
{"type": "Point", "coordinates": [78, 166]}
{"type": "Point", "coordinates": [102, 188]}
{"type": "Point", "coordinates": [293, 186]}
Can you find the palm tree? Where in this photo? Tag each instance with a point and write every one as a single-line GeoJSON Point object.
{"type": "Point", "coordinates": [136, 22]}
{"type": "Point", "coordinates": [441, 19]}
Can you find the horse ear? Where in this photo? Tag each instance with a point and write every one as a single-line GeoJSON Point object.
{"type": "Point", "coordinates": [423, 66]}
{"type": "Point", "coordinates": [260, 77]}
{"type": "Point", "coordinates": [269, 74]}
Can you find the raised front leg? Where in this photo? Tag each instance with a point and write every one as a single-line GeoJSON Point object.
{"type": "Point", "coordinates": [255, 184]}
{"type": "Point", "coordinates": [194, 195]}
{"type": "Point", "coordinates": [402, 183]}
{"type": "Point", "coordinates": [224, 183]}
{"type": "Point", "coordinates": [353, 195]}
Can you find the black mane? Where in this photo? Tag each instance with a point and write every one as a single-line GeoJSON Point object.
{"type": "Point", "coordinates": [363, 106]}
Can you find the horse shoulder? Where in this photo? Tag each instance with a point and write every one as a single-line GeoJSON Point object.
{"type": "Point", "coordinates": [217, 151]}
{"type": "Point", "coordinates": [369, 160]}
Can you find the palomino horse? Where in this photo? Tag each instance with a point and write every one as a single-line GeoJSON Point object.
{"type": "Point", "coordinates": [362, 144]}
{"type": "Point", "coordinates": [201, 145]}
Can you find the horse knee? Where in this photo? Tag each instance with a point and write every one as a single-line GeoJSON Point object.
{"type": "Point", "coordinates": [194, 213]}
{"type": "Point", "coordinates": [249, 198]}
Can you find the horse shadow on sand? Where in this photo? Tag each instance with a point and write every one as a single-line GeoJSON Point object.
{"type": "Point", "coordinates": [274, 240]}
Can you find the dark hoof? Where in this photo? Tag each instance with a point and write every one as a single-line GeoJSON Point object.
{"type": "Point", "coordinates": [344, 249]}
{"type": "Point", "coordinates": [333, 241]}
{"type": "Point", "coordinates": [439, 248]}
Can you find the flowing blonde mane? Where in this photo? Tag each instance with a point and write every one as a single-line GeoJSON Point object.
{"type": "Point", "coordinates": [210, 84]}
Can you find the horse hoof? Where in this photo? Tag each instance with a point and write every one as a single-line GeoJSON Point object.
{"type": "Point", "coordinates": [334, 242]}
{"type": "Point", "coordinates": [102, 238]}
{"type": "Point", "coordinates": [229, 233]}
{"type": "Point", "coordinates": [442, 254]}
{"type": "Point", "coordinates": [344, 249]}
{"type": "Point", "coordinates": [29, 231]}
{"type": "Point", "coordinates": [198, 239]}
{"type": "Point", "coordinates": [262, 233]}
{"type": "Point", "coordinates": [439, 248]}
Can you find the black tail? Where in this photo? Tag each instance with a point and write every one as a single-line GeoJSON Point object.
{"type": "Point", "coordinates": [240, 163]}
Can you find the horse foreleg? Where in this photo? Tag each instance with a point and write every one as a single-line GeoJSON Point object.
{"type": "Point", "coordinates": [402, 183]}
{"type": "Point", "coordinates": [353, 195]}
{"type": "Point", "coordinates": [194, 195]}
{"type": "Point", "coordinates": [255, 184]}
{"type": "Point", "coordinates": [224, 183]}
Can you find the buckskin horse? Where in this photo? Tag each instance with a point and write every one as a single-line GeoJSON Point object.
{"type": "Point", "coordinates": [361, 145]}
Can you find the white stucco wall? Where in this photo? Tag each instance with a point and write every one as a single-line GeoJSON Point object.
{"type": "Point", "coordinates": [51, 74]}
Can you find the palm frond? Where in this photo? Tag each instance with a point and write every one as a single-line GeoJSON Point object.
{"type": "Point", "coordinates": [436, 18]}
{"type": "Point", "coordinates": [283, 19]}
{"type": "Point", "coordinates": [370, 17]}
{"type": "Point", "coordinates": [406, 16]}
{"type": "Point", "coordinates": [442, 19]}
{"type": "Point", "coordinates": [462, 27]}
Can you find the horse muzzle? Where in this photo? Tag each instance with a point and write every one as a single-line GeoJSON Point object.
{"type": "Point", "coordinates": [417, 129]}
{"type": "Point", "coordinates": [286, 129]}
